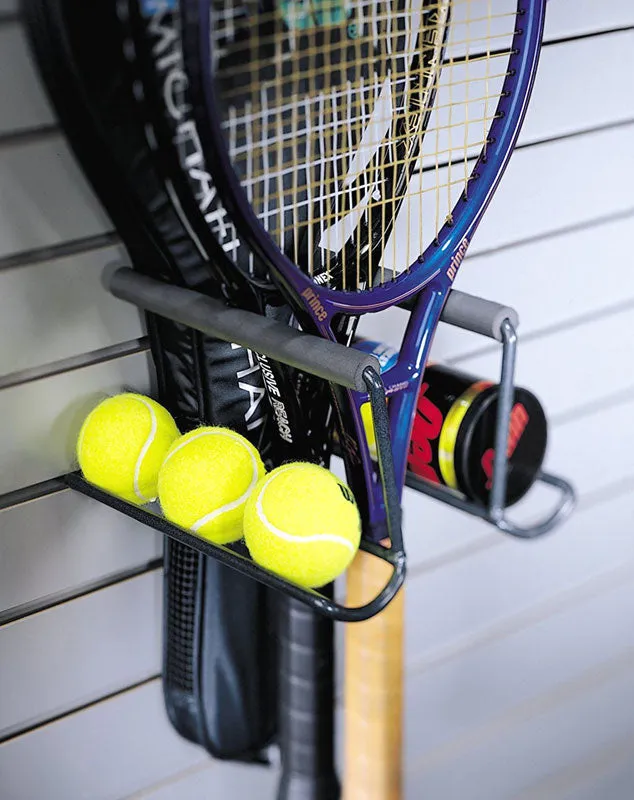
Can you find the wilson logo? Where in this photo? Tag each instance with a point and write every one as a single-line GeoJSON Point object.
{"type": "Point", "coordinates": [346, 493]}
{"type": "Point", "coordinates": [315, 305]}
{"type": "Point", "coordinates": [457, 259]}
{"type": "Point", "coordinates": [427, 426]}
{"type": "Point", "coordinates": [519, 421]}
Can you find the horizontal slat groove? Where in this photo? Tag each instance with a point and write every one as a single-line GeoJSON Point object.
{"type": "Point", "coordinates": [22, 138]}
{"type": "Point", "coordinates": [586, 682]}
{"type": "Point", "coordinates": [608, 401]}
{"type": "Point", "coordinates": [28, 136]}
{"type": "Point", "coordinates": [623, 486]}
{"type": "Point", "coordinates": [593, 587]}
{"type": "Point", "coordinates": [580, 775]}
{"type": "Point", "coordinates": [590, 35]}
{"type": "Point", "coordinates": [9, 18]}
{"type": "Point", "coordinates": [21, 612]}
{"type": "Point", "coordinates": [70, 248]}
{"type": "Point", "coordinates": [495, 538]}
{"type": "Point", "coordinates": [554, 233]}
{"type": "Point", "coordinates": [27, 494]}
{"type": "Point", "coordinates": [549, 330]}
{"type": "Point", "coordinates": [66, 365]}
{"type": "Point", "coordinates": [173, 780]}
{"type": "Point", "coordinates": [562, 137]}
{"type": "Point", "coordinates": [77, 710]}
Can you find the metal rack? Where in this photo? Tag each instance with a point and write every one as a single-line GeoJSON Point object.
{"type": "Point", "coordinates": [356, 370]}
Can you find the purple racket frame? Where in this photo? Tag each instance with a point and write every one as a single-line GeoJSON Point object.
{"type": "Point", "coordinates": [431, 276]}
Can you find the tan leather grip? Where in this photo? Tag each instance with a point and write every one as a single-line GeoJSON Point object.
{"type": "Point", "coordinates": [373, 693]}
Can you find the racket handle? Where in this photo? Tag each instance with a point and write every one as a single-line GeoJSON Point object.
{"type": "Point", "coordinates": [373, 689]}
{"type": "Point", "coordinates": [307, 696]}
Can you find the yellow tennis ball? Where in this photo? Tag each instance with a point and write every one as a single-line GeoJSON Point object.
{"type": "Point", "coordinates": [302, 523]}
{"type": "Point", "coordinates": [122, 444]}
{"type": "Point", "coordinates": [205, 481]}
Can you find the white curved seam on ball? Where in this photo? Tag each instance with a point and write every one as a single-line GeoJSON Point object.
{"type": "Point", "coordinates": [234, 503]}
{"type": "Point", "coordinates": [289, 537]}
{"type": "Point", "coordinates": [144, 451]}
{"type": "Point", "coordinates": [199, 435]}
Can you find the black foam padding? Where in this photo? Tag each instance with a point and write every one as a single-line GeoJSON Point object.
{"type": "Point", "coordinates": [477, 314]}
{"type": "Point", "coordinates": [328, 360]}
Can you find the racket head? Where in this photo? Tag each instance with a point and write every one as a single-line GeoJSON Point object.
{"type": "Point", "coordinates": [442, 152]}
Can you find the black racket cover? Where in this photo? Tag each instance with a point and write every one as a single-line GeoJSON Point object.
{"type": "Point", "coordinates": [219, 648]}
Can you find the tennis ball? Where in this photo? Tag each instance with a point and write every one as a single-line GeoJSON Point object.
{"type": "Point", "coordinates": [205, 481]}
{"type": "Point", "coordinates": [122, 444]}
{"type": "Point", "coordinates": [302, 523]}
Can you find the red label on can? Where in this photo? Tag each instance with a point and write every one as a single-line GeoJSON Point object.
{"type": "Point", "coordinates": [519, 420]}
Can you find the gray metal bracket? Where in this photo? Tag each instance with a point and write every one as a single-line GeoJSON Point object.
{"type": "Point", "coordinates": [497, 322]}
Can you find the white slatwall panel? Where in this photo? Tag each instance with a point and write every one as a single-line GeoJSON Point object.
{"type": "Point", "coordinates": [94, 645]}
{"type": "Point", "coordinates": [61, 542]}
{"type": "Point", "coordinates": [69, 289]}
{"type": "Point", "coordinates": [541, 651]}
{"type": "Point", "coordinates": [39, 183]}
{"type": "Point", "coordinates": [586, 17]}
{"type": "Point", "coordinates": [562, 728]}
{"type": "Point", "coordinates": [607, 773]}
{"type": "Point", "coordinates": [520, 668]}
{"type": "Point", "coordinates": [215, 782]}
{"type": "Point", "coordinates": [21, 96]}
{"type": "Point", "coordinates": [109, 751]}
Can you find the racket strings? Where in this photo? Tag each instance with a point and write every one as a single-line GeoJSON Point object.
{"type": "Point", "coordinates": [274, 21]}
{"type": "Point", "coordinates": [354, 126]}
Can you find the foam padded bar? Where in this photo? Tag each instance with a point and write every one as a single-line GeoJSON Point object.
{"type": "Point", "coordinates": [328, 360]}
{"type": "Point", "coordinates": [477, 314]}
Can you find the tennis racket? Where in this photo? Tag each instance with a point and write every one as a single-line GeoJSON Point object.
{"type": "Point", "coordinates": [356, 147]}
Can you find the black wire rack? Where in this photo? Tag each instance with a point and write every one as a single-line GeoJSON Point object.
{"type": "Point", "coordinates": [354, 369]}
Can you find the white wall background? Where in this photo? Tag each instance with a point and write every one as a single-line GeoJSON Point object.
{"type": "Point", "coordinates": [520, 656]}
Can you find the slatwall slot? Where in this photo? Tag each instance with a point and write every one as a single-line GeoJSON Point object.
{"type": "Point", "coordinates": [606, 773]}
{"type": "Point", "coordinates": [580, 366]}
{"type": "Point", "coordinates": [71, 314]}
{"type": "Point", "coordinates": [552, 265]}
{"type": "Point", "coordinates": [543, 192]}
{"type": "Point", "coordinates": [587, 18]}
{"type": "Point", "coordinates": [468, 596]}
{"type": "Point", "coordinates": [46, 416]}
{"type": "Point", "coordinates": [44, 199]}
{"type": "Point", "coordinates": [65, 543]}
{"type": "Point", "coordinates": [109, 750]}
{"type": "Point", "coordinates": [80, 651]}
{"type": "Point", "coordinates": [22, 98]}
{"type": "Point", "coordinates": [512, 752]}
{"type": "Point", "coordinates": [215, 782]}
{"type": "Point", "coordinates": [457, 696]}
